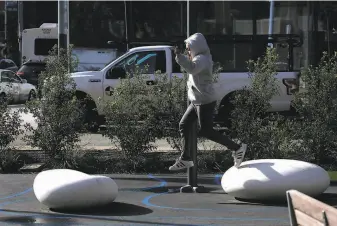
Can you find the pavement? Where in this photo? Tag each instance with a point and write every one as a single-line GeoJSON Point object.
{"type": "Point", "coordinates": [143, 200]}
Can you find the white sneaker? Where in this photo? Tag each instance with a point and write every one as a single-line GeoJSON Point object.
{"type": "Point", "coordinates": [181, 164]}
{"type": "Point", "coordinates": [239, 155]}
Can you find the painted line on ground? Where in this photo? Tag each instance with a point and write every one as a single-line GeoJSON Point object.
{"type": "Point", "coordinates": [217, 179]}
{"type": "Point", "coordinates": [147, 202]}
{"type": "Point", "coordinates": [17, 194]}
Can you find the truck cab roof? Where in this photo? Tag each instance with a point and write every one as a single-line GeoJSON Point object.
{"type": "Point", "coordinates": [150, 47]}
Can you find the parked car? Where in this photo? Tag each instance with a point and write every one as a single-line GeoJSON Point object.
{"type": "Point", "coordinates": [14, 89]}
{"type": "Point", "coordinates": [31, 70]}
{"type": "Point", "coordinates": [8, 64]}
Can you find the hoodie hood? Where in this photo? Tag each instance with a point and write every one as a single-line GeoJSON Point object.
{"type": "Point", "coordinates": [198, 45]}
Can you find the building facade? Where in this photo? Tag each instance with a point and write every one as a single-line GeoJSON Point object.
{"type": "Point", "coordinates": [236, 31]}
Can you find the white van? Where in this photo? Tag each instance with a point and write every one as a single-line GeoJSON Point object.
{"type": "Point", "coordinates": [37, 42]}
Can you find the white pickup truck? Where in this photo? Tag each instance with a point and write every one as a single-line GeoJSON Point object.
{"type": "Point", "coordinates": [100, 84]}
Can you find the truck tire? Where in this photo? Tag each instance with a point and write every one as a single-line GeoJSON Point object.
{"type": "Point", "coordinates": [90, 114]}
{"type": "Point", "coordinates": [3, 97]}
{"type": "Point", "coordinates": [225, 110]}
{"type": "Point", "coordinates": [32, 95]}
{"type": "Point", "coordinates": [91, 117]}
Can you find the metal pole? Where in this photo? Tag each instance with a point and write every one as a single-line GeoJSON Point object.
{"type": "Point", "coordinates": [5, 27]}
{"type": "Point", "coordinates": [62, 31]}
{"type": "Point", "coordinates": [67, 22]}
{"type": "Point", "coordinates": [188, 19]}
{"type": "Point", "coordinates": [126, 25]}
{"type": "Point", "coordinates": [67, 27]}
{"type": "Point", "coordinates": [271, 23]}
{"type": "Point", "coordinates": [20, 28]}
{"type": "Point", "coordinates": [291, 48]}
{"type": "Point", "coordinates": [192, 173]}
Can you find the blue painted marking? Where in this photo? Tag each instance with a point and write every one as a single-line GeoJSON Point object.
{"type": "Point", "coordinates": [147, 201]}
{"type": "Point", "coordinates": [17, 194]}
{"type": "Point", "coordinates": [217, 179]}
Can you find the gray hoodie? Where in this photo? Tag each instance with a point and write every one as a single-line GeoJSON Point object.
{"type": "Point", "coordinates": [200, 70]}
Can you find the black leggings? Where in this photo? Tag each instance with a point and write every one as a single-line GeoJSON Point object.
{"type": "Point", "coordinates": [204, 114]}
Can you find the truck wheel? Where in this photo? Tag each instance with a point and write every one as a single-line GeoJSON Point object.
{"type": "Point", "coordinates": [3, 98]}
{"type": "Point", "coordinates": [90, 115]}
{"type": "Point", "coordinates": [225, 111]}
{"type": "Point", "coordinates": [32, 95]}
{"type": "Point", "coordinates": [91, 121]}
{"type": "Point", "coordinates": [226, 108]}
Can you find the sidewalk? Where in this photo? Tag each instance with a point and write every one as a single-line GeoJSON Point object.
{"type": "Point", "coordinates": [98, 142]}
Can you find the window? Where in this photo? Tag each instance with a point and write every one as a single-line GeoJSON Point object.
{"type": "Point", "coordinates": [31, 70]}
{"type": "Point", "coordinates": [232, 57]}
{"type": "Point", "coordinates": [2, 26]}
{"type": "Point", "coordinates": [6, 63]}
{"type": "Point", "coordinates": [4, 77]}
{"type": "Point", "coordinates": [97, 21]}
{"type": "Point", "coordinates": [8, 76]}
{"type": "Point", "coordinates": [153, 60]}
{"type": "Point", "coordinates": [3, 64]}
{"type": "Point", "coordinates": [158, 20]}
{"type": "Point", "coordinates": [326, 29]}
{"type": "Point", "coordinates": [221, 17]}
{"type": "Point", "coordinates": [11, 63]}
{"type": "Point", "coordinates": [43, 46]}
{"type": "Point", "coordinates": [290, 17]}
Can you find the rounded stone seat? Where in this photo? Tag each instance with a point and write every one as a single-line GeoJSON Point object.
{"type": "Point", "coordinates": [269, 179]}
{"type": "Point", "coordinates": [66, 189]}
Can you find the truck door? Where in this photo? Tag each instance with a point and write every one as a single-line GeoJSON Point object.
{"type": "Point", "coordinates": [155, 60]}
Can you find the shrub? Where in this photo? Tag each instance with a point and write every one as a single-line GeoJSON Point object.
{"type": "Point", "coordinates": [10, 129]}
{"type": "Point", "coordinates": [315, 132]}
{"type": "Point", "coordinates": [130, 117]}
{"type": "Point", "coordinates": [58, 114]}
{"type": "Point", "coordinates": [251, 124]}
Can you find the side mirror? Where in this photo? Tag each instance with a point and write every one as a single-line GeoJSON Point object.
{"type": "Point", "coordinates": [116, 73]}
{"type": "Point", "coordinates": [24, 80]}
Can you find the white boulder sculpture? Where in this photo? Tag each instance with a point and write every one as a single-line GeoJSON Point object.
{"type": "Point", "coordinates": [64, 188]}
{"type": "Point", "coordinates": [268, 179]}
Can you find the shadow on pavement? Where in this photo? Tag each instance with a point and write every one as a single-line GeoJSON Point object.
{"type": "Point", "coordinates": [168, 189]}
{"type": "Point", "coordinates": [67, 220]}
{"type": "Point", "coordinates": [328, 198]}
{"type": "Point", "coordinates": [21, 220]}
{"type": "Point", "coordinates": [113, 209]}
{"type": "Point", "coordinates": [176, 179]}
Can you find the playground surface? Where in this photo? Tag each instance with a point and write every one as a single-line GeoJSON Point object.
{"type": "Point", "coordinates": [146, 200]}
